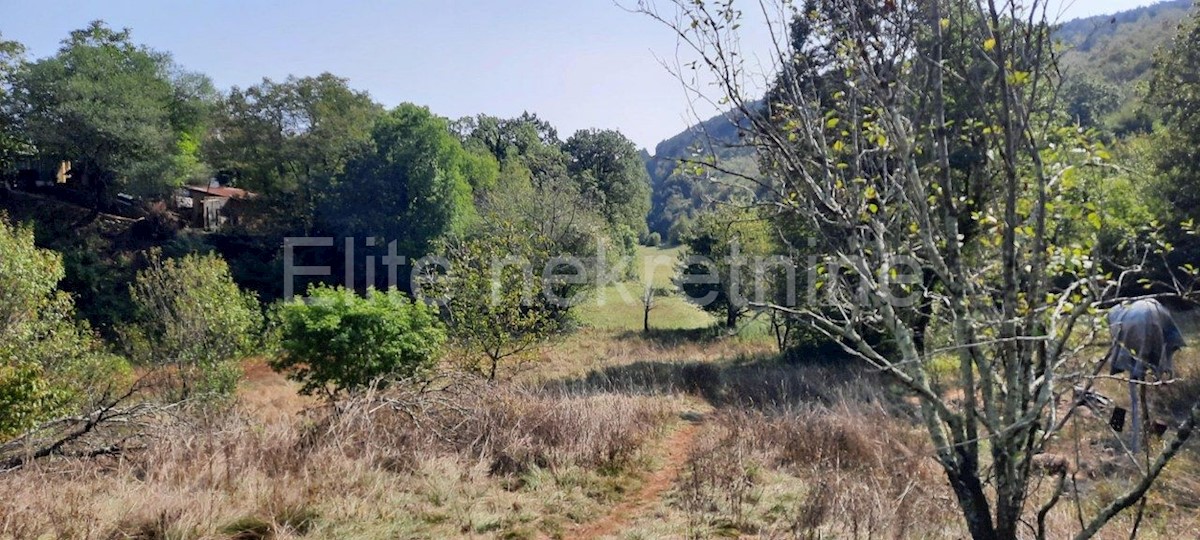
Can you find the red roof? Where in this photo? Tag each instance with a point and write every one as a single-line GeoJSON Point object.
{"type": "Point", "coordinates": [227, 192]}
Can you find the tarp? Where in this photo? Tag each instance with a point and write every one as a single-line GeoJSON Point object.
{"type": "Point", "coordinates": [1144, 336]}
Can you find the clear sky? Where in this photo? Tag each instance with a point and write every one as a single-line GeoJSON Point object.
{"type": "Point", "coordinates": [577, 63]}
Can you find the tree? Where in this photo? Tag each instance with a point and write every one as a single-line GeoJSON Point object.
{"type": "Point", "coordinates": [497, 305]}
{"type": "Point", "coordinates": [415, 185]}
{"type": "Point", "coordinates": [49, 363]}
{"type": "Point", "coordinates": [105, 104]}
{"type": "Point", "coordinates": [193, 320]}
{"type": "Point", "coordinates": [650, 296]}
{"type": "Point", "coordinates": [607, 166]}
{"type": "Point", "coordinates": [1175, 91]}
{"type": "Point", "coordinates": [864, 155]}
{"type": "Point", "coordinates": [727, 251]}
{"type": "Point", "coordinates": [1089, 101]}
{"type": "Point", "coordinates": [288, 141]}
{"type": "Point", "coordinates": [337, 341]}
{"type": "Point", "coordinates": [12, 143]}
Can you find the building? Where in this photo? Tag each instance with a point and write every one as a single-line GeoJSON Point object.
{"type": "Point", "coordinates": [207, 207]}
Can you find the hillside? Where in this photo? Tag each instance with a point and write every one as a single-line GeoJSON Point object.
{"type": "Point", "coordinates": [1106, 60]}
{"type": "Point", "coordinates": [678, 192]}
{"type": "Point", "coordinates": [1119, 48]}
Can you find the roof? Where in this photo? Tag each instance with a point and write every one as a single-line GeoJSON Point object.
{"type": "Point", "coordinates": [227, 192]}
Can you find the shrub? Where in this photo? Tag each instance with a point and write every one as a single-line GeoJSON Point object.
{"type": "Point", "coordinates": [337, 340]}
{"type": "Point", "coordinates": [193, 319]}
{"type": "Point", "coordinates": [49, 363]}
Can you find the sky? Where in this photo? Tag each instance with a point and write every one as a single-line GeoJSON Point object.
{"type": "Point", "coordinates": [576, 63]}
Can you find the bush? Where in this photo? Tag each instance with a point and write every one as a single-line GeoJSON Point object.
{"type": "Point", "coordinates": [338, 341]}
{"type": "Point", "coordinates": [193, 319]}
{"type": "Point", "coordinates": [49, 363]}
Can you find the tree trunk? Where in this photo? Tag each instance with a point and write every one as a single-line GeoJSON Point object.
{"type": "Point", "coordinates": [973, 502]}
{"type": "Point", "coordinates": [646, 318]}
{"type": "Point", "coordinates": [731, 317]}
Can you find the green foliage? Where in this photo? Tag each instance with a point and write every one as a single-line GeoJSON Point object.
{"type": "Point", "coordinates": [727, 245]}
{"type": "Point", "coordinates": [416, 184]}
{"type": "Point", "coordinates": [12, 143]}
{"type": "Point", "coordinates": [608, 167]}
{"type": "Point", "coordinates": [681, 190]}
{"type": "Point", "coordinates": [287, 141]}
{"type": "Point", "coordinates": [498, 307]}
{"type": "Point", "coordinates": [105, 104]}
{"type": "Point", "coordinates": [291, 135]}
{"type": "Point", "coordinates": [338, 341]}
{"type": "Point", "coordinates": [1175, 91]}
{"type": "Point", "coordinates": [49, 363]}
{"type": "Point", "coordinates": [534, 191]}
{"type": "Point", "coordinates": [192, 319]}
{"type": "Point", "coordinates": [1088, 100]}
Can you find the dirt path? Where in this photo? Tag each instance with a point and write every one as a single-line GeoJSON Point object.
{"type": "Point", "coordinates": [678, 446]}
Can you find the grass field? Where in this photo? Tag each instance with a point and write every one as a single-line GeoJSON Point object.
{"type": "Point", "coordinates": [619, 306]}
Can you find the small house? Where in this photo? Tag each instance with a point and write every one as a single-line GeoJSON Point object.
{"type": "Point", "coordinates": [205, 207]}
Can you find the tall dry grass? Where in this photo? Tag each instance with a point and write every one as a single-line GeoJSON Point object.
{"type": "Point", "coordinates": [377, 468]}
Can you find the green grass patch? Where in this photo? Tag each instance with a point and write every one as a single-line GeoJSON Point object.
{"type": "Point", "coordinates": [619, 306]}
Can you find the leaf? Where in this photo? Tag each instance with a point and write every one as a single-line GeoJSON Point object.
{"type": "Point", "coordinates": [831, 123]}
{"type": "Point", "coordinates": [944, 23]}
{"type": "Point", "coordinates": [989, 44]}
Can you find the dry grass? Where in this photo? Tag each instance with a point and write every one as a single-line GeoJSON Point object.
{"type": "Point", "coordinates": [517, 463]}
{"type": "Point", "coordinates": [810, 450]}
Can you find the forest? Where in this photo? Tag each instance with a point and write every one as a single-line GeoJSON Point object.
{"type": "Point", "coordinates": [881, 295]}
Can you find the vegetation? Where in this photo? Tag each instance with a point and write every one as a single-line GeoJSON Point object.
{"type": "Point", "coordinates": [107, 103]}
{"type": "Point", "coordinates": [893, 252]}
{"type": "Point", "coordinates": [192, 318]}
{"type": "Point", "coordinates": [726, 261]}
{"type": "Point", "coordinates": [51, 364]}
{"type": "Point", "coordinates": [336, 341]}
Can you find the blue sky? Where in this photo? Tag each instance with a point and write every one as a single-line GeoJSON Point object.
{"type": "Point", "coordinates": [577, 63]}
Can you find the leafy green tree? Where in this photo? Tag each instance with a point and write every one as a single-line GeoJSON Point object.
{"type": "Point", "coordinates": [414, 186]}
{"type": "Point", "coordinates": [1089, 101]}
{"type": "Point", "coordinates": [337, 341]}
{"type": "Point", "coordinates": [527, 139]}
{"type": "Point", "coordinates": [194, 320]}
{"type": "Point", "coordinates": [1175, 91]}
{"type": "Point", "coordinates": [105, 104]}
{"type": "Point", "coordinates": [287, 141]}
{"type": "Point", "coordinates": [49, 363]}
{"type": "Point", "coordinates": [12, 143]}
{"type": "Point", "coordinates": [608, 167]}
{"type": "Point", "coordinates": [722, 268]}
{"type": "Point", "coordinates": [497, 309]}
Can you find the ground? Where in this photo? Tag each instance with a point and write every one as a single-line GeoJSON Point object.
{"type": "Point", "coordinates": [608, 432]}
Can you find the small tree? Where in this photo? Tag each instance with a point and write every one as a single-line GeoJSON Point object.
{"type": "Point", "coordinates": [337, 341]}
{"type": "Point", "coordinates": [193, 319]}
{"type": "Point", "coordinates": [496, 303]}
{"type": "Point", "coordinates": [650, 298]}
{"type": "Point", "coordinates": [721, 263]}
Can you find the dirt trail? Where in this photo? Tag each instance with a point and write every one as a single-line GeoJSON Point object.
{"type": "Point", "coordinates": [677, 446]}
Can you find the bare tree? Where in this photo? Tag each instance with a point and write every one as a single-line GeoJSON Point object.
{"type": "Point", "coordinates": [917, 143]}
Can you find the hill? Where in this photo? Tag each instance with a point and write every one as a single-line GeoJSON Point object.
{"type": "Point", "coordinates": [1105, 60]}
{"type": "Point", "coordinates": [1119, 48]}
{"type": "Point", "coordinates": [679, 192]}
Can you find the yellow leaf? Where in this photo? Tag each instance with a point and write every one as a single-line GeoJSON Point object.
{"type": "Point", "coordinates": [989, 44]}
{"type": "Point", "coordinates": [945, 23]}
